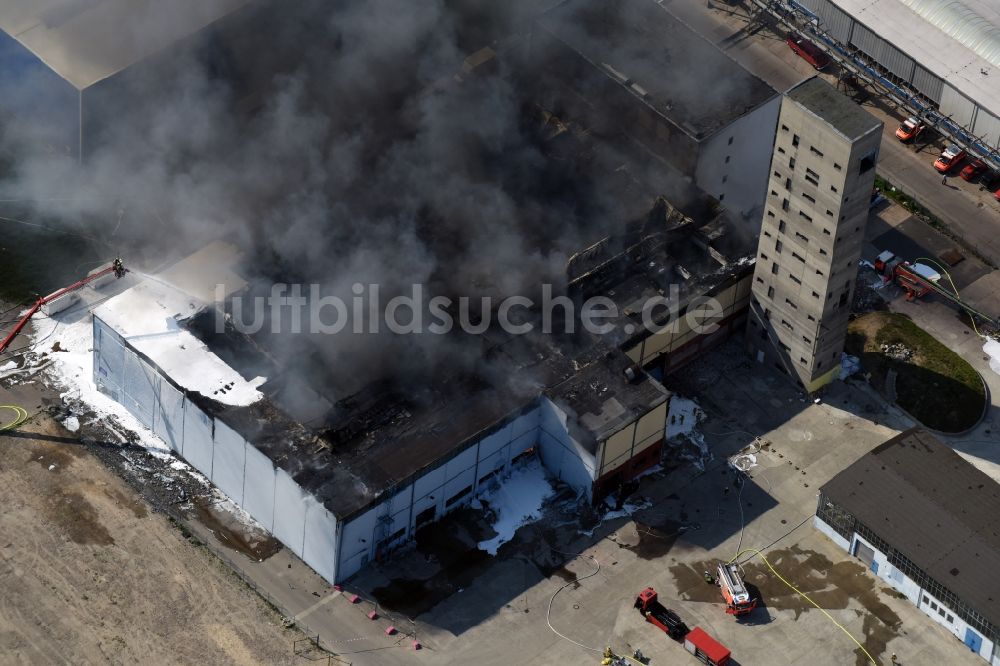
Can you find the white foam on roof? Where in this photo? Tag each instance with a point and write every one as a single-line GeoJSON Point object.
{"type": "Point", "coordinates": [931, 47]}
{"type": "Point", "coordinates": [85, 41]}
{"type": "Point", "coordinates": [149, 317]}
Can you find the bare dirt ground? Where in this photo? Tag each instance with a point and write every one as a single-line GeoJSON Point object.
{"type": "Point", "coordinates": [90, 575]}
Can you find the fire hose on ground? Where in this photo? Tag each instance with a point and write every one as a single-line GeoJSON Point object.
{"type": "Point", "coordinates": [20, 416]}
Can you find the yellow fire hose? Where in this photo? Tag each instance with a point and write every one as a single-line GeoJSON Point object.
{"type": "Point", "coordinates": [802, 594]}
{"type": "Point", "coordinates": [20, 416]}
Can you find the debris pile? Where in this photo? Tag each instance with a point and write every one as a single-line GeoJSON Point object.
{"type": "Point", "coordinates": [867, 294]}
{"type": "Point", "coordinates": [682, 421]}
{"type": "Point", "coordinates": [897, 351]}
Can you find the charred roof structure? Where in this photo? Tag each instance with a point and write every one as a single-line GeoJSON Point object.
{"type": "Point", "coordinates": [924, 519]}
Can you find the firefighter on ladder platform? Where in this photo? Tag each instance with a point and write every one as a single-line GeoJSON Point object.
{"type": "Point", "coordinates": [117, 267]}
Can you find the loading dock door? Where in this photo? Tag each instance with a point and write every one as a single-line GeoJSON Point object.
{"type": "Point", "coordinates": [866, 555]}
{"type": "Point", "coordinates": [973, 640]}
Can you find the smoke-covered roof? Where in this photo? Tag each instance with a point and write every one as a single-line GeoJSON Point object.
{"type": "Point", "coordinates": [660, 60]}
{"type": "Point", "coordinates": [86, 41]}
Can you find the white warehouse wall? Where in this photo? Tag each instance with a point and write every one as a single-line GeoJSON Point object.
{"type": "Point", "coordinates": [819, 524]}
{"type": "Point", "coordinates": [477, 465]}
{"type": "Point", "coordinates": [741, 183]}
{"type": "Point", "coordinates": [268, 494]}
{"type": "Point", "coordinates": [562, 455]}
{"type": "Point", "coordinates": [890, 574]}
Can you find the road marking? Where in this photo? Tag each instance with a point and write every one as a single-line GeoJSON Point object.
{"type": "Point", "coordinates": [322, 602]}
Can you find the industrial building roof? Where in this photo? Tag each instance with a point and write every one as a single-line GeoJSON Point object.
{"type": "Point", "coordinates": [927, 40]}
{"type": "Point", "coordinates": [660, 60]}
{"type": "Point", "coordinates": [149, 316]}
{"type": "Point", "coordinates": [822, 99]}
{"type": "Point", "coordinates": [86, 41]}
{"type": "Point", "coordinates": [973, 23]}
{"type": "Point", "coordinates": [936, 509]}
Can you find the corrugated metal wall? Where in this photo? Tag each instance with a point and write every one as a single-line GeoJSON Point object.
{"type": "Point", "coordinates": [927, 84]}
{"type": "Point", "coordinates": [837, 23]}
{"type": "Point", "coordinates": [866, 40]}
{"type": "Point", "coordinates": [988, 127]}
{"type": "Point", "coordinates": [245, 475]}
{"type": "Point", "coordinates": [957, 106]}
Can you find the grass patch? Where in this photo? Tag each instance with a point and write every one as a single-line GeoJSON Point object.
{"type": "Point", "coordinates": [936, 386]}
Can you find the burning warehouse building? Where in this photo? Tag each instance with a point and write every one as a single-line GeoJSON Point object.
{"type": "Point", "coordinates": [331, 446]}
{"type": "Point", "coordinates": [358, 476]}
{"type": "Point", "coordinates": [347, 491]}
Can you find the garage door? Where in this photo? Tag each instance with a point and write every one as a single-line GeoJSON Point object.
{"type": "Point", "coordinates": [865, 554]}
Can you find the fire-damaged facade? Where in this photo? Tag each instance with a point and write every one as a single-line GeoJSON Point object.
{"type": "Point", "coordinates": [700, 273]}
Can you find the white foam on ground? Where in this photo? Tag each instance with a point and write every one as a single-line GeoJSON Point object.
{"type": "Point", "coordinates": [517, 500]}
{"type": "Point", "coordinates": [9, 365]}
{"type": "Point", "coordinates": [71, 423]}
{"type": "Point", "coordinates": [72, 371]}
{"type": "Point", "coordinates": [992, 349]}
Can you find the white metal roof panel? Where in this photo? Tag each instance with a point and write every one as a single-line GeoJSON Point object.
{"type": "Point", "coordinates": [85, 41]}
{"type": "Point", "coordinates": [931, 47]}
{"type": "Point", "coordinates": [973, 23]}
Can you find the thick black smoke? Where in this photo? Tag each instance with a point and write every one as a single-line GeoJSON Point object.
{"type": "Point", "coordinates": [335, 145]}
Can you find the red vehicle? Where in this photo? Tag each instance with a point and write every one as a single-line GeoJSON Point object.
{"type": "Point", "coordinates": [916, 279]}
{"type": "Point", "coordinates": [949, 159]}
{"type": "Point", "coordinates": [808, 51]}
{"type": "Point", "coordinates": [974, 170]}
{"type": "Point", "coordinates": [909, 129]}
{"type": "Point", "coordinates": [660, 616]}
{"type": "Point", "coordinates": [706, 649]}
{"type": "Point", "coordinates": [734, 591]}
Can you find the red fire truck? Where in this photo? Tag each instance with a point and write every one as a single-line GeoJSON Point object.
{"type": "Point", "coordinates": [734, 591]}
{"type": "Point", "coordinates": [917, 279]}
{"type": "Point", "coordinates": [706, 649]}
{"type": "Point", "coordinates": [659, 615]}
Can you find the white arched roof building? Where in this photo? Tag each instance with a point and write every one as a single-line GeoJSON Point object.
{"type": "Point", "coordinates": [946, 50]}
